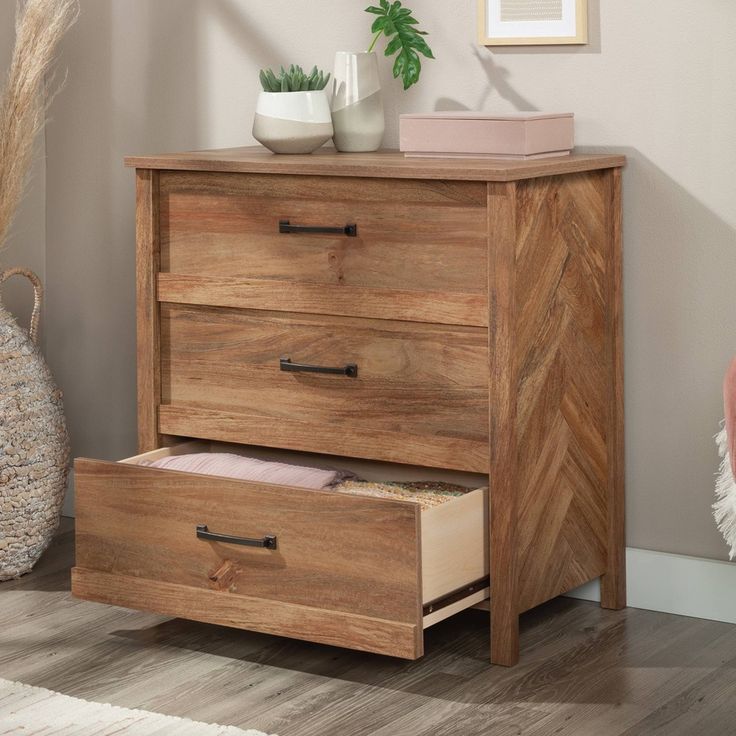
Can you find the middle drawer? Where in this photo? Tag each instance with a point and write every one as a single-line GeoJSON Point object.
{"type": "Point", "coordinates": [418, 393]}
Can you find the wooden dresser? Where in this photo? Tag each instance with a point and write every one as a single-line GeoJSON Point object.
{"type": "Point", "coordinates": [409, 318]}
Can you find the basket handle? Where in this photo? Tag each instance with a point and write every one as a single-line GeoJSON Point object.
{"type": "Point", "coordinates": [37, 296]}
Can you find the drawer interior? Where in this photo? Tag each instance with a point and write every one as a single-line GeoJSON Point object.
{"type": "Point", "coordinates": [366, 469]}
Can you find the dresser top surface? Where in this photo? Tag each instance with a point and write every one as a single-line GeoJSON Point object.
{"type": "Point", "coordinates": [381, 164]}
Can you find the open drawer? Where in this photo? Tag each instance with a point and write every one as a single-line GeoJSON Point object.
{"type": "Point", "coordinates": [349, 570]}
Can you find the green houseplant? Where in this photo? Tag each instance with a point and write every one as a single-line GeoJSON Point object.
{"type": "Point", "coordinates": [357, 107]}
{"type": "Point", "coordinates": [293, 113]}
{"type": "Point", "coordinates": [293, 80]}
{"type": "Point", "coordinates": [398, 24]}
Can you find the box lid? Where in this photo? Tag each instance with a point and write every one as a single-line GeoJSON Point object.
{"type": "Point", "coordinates": [484, 115]}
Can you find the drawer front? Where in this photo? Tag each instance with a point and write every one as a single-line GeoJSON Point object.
{"type": "Point", "coordinates": [420, 395]}
{"type": "Point", "coordinates": [345, 570]}
{"type": "Point", "coordinates": [419, 251]}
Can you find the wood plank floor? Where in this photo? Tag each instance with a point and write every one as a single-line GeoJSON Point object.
{"type": "Point", "coordinates": [583, 672]}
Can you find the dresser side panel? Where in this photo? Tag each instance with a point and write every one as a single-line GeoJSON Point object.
{"type": "Point", "coordinates": [565, 373]}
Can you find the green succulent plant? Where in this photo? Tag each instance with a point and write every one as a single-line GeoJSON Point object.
{"type": "Point", "coordinates": [293, 79]}
{"type": "Point", "coordinates": [407, 43]}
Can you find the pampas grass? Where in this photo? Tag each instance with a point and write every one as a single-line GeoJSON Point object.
{"type": "Point", "coordinates": [40, 25]}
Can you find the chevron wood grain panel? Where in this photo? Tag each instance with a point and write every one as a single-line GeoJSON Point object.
{"type": "Point", "coordinates": [556, 392]}
{"type": "Point", "coordinates": [560, 352]}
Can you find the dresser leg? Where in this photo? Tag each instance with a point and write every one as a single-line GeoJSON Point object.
{"type": "Point", "coordinates": [504, 635]}
{"type": "Point", "coordinates": [613, 587]}
{"type": "Point", "coordinates": [613, 582]}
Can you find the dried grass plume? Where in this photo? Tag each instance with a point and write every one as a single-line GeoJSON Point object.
{"type": "Point", "coordinates": [39, 26]}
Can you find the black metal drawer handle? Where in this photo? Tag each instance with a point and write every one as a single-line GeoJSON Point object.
{"type": "Point", "coordinates": [350, 370]}
{"type": "Point", "coordinates": [267, 542]}
{"type": "Point", "coordinates": [286, 227]}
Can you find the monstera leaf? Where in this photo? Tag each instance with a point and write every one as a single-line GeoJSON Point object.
{"type": "Point", "coordinates": [406, 41]}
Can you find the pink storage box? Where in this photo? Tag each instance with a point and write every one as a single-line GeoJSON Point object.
{"type": "Point", "coordinates": [482, 134]}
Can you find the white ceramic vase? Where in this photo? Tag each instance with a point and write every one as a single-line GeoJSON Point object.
{"type": "Point", "coordinates": [292, 122]}
{"type": "Point", "coordinates": [357, 107]}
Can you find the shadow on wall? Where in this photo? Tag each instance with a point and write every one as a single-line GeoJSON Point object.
{"type": "Point", "coordinates": [173, 77]}
{"type": "Point", "coordinates": [176, 97]}
{"type": "Point", "coordinates": [131, 91]}
{"type": "Point", "coordinates": [137, 84]}
{"type": "Point", "coordinates": [242, 28]}
{"type": "Point", "coordinates": [680, 331]}
{"type": "Point", "coordinates": [498, 76]}
{"type": "Point", "coordinates": [498, 80]}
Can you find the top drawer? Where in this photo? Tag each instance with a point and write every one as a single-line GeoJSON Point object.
{"type": "Point", "coordinates": [420, 252]}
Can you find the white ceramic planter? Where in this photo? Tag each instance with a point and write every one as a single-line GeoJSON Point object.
{"type": "Point", "coordinates": [292, 122]}
{"type": "Point", "coordinates": [357, 107]}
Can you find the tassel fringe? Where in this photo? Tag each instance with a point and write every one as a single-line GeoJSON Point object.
{"type": "Point", "coordinates": [724, 509]}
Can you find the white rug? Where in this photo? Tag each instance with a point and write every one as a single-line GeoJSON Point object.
{"type": "Point", "coordinates": [34, 711]}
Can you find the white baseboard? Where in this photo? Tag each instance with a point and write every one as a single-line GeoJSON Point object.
{"type": "Point", "coordinates": [686, 586]}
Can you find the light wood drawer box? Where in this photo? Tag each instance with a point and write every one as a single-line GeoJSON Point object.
{"type": "Point", "coordinates": [420, 250]}
{"type": "Point", "coordinates": [420, 395]}
{"type": "Point", "coordinates": [347, 570]}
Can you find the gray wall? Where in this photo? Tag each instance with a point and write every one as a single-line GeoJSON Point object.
{"type": "Point", "coordinates": [655, 83]}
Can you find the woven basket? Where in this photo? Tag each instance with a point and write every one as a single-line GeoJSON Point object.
{"type": "Point", "coordinates": [34, 444]}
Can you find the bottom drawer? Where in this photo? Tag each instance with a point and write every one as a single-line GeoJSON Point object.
{"type": "Point", "coordinates": [349, 570]}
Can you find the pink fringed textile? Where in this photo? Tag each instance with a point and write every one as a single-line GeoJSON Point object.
{"type": "Point", "coordinates": [729, 402]}
{"type": "Point", "coordinates": [724, 509]}
{"type": "Point", "coordinates": [229, 465]}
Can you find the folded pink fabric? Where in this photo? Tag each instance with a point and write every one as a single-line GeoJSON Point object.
{"type": "Point", "coordinates": [229, 465]}
{"type": "Point", "coordinates": [729, 404]}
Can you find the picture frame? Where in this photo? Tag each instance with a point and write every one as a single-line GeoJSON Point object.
{"type": "Point", "coordinates": [532, 22]}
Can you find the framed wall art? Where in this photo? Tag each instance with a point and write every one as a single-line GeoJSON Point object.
{"type": "Point", "coordinates": [532, 22]}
